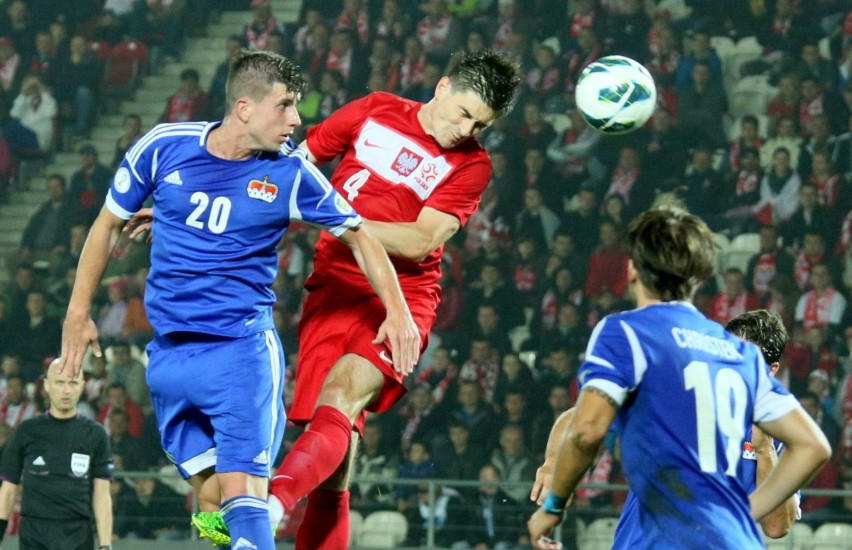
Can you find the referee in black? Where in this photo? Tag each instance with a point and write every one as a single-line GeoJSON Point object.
{"type": "Point", "coordinates": [65, 465]}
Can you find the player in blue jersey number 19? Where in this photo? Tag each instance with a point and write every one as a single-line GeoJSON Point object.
{"type": "Point", "coordinates": [663, 373]}
{"type": "Point", "coordinates": [760, 452]}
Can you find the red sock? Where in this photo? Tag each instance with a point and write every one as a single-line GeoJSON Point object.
{"type": "Point", "coordinates": [326, 522]}
{"type": "Point", "coordinates": [314, 457]}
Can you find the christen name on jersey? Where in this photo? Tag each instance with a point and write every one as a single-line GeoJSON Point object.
{"type": "Point", "coordinates": [686, 338]}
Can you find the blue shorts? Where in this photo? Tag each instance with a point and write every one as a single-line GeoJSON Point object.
{"type": "Point", "coordinates": [219, 401]}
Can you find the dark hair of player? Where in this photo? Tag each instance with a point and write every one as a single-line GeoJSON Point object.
{"type": "Point", "coordinates": [253, 74]}
{"type": "Point", "coordinates": [672, 251]}
{"type": "Point", "coordinates": [490, 75]}
{"type": "Point", "coordinates": [762, 328]}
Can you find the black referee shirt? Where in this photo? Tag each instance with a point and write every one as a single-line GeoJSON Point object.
{"type": "Point", "coordinates": [57, 460]}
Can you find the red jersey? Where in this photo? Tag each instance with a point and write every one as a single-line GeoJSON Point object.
{"type": "Point", "coordinates": [389, 170]}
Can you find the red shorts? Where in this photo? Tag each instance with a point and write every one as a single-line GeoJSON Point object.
{"type": "Point", "coordinates": [335, 324]}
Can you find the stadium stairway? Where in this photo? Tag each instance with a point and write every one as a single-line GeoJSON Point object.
{"type": "Point", "coordinates": [200, 53]}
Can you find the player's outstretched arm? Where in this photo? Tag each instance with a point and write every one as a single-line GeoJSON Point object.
{"type": "Point", "coordinates": [544, 473]}
{"type": "Point", "coordinates": [415, 240]}
{"type": "Point", "coordinates": [399, 328]}
{"type": "Point", "coordinates": [580, 443]}
{"type": "Point", "coordinates": [807, 450]}
{"type": "Point", "coordinates": [78, 330]}
{"type": "Point", "coordinates": [778, 523]}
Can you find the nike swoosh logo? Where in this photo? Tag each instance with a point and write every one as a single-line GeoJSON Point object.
{"type": "Point", "coordinates": [383, 355]}
{"type": "Point", "coordinates": [368, 143]}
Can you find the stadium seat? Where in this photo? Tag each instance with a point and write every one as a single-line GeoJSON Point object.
{"type": "Point", "coordinates": [383, 529]}
{"type": "Point", "coordinates": [722, 44]}
{"type": "Point", "coordinates": [825, 47]}
{"type": "Point", "coordinates": [724, 47]}
{"type": "Point", "coordinates": [598, 535]}
{"type": "Point", "coordinates": [517, 336]}
{"type": "Point", "coordinates": [123, 69]}
{"type": "Point", "coordinates": [528, 358]}
{"type": "Point", "coordinates": [799, 538]}
{"type": "Point", "coordinates": [745, 50]}
{"type": "Point", "coordinates": [832, 536]}
{"type": "Point", "coordinates": [750, 96]}
{"type": "Point", "coordinates": [742, 248]}
{"type": "Point", "coordinates": [355, 522]}
{"type": "Point", "coordinates": [559, 122]}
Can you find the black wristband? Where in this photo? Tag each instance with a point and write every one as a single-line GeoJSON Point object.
{"type": "Point", "coordinates": [3, 524]}
{"type": "Point", "coordinates": [105, 547]}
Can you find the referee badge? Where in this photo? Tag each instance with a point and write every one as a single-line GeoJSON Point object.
{"type": "Point", "coordinates": [80, 464]}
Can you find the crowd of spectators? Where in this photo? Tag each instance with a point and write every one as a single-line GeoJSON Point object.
{"type": "Point", "coordinates": [542, 261]}
{"type": "Point", "coordinates": [62, 63]}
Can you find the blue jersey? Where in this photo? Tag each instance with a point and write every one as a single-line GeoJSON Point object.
{"type": "Point", "coordinates": [628, 532]}
{"type": "Point", "coordinates": [688, 391]}
{"type": "Point", "coordinates": [218, 223]}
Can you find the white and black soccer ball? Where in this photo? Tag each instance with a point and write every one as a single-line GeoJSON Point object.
{"type": "Point", "coordinates": [616, 94]}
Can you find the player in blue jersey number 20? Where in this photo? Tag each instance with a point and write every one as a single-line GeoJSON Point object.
{"type": "Point", "coordinates": [224, 194]}
{"type": "Point", "coordinates": [682, 393]}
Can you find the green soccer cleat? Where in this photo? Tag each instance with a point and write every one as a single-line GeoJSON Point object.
{"type": "Point", "coordinates": [211, 525]}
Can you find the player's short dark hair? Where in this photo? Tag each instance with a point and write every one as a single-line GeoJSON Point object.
{"type": "Point", "coordinates": [781, 150]}
{"type": "Point", "coordinates": [672, 251]}
{"type": "Point", "coordinates": [254, 74]}
{"type": "Point", "coordinates": [749, 118]}
{"type": "Point", "coordinates": [762, 328]}
{"type": "Point", "coordinates": [490, 75]}
{"type": "Point", "coordinates": [189, 74]}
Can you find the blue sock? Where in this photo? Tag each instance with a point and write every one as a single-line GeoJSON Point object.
{"type": "Point", "coordinates": [247, 519]}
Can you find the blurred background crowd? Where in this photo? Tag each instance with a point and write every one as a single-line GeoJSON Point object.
{"type": "Point", "coordinates": [752, 132]}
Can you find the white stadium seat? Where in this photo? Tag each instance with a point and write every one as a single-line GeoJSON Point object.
{"type": "Point", "coordinates": [832, 536]}
{"type": "Point", "coordinates": [383, 529]}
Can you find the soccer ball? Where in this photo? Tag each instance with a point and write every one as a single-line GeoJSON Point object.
{"type": "Point", "coordinates": [616, 94]}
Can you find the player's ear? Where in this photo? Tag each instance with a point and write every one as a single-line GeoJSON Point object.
{"type": "Point", "coordinates": [243, 108]}
{"type": "Point", "coordinates": [443, 87]}
{"type": "Point", "coordinates": [773, 368]}
{"type": "Point", "coordinates": [632, 275]}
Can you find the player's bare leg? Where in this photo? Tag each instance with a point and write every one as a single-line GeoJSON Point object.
{"type": "Point", "coordinates": [236, 491]}
{"type": "Point", "coordinates": [350, 386]}
{"type": "Point", "coordinates": [205, 485]}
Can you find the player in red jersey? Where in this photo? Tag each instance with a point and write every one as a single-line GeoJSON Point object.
{"type": "Point", "coordinates": [414, 172]}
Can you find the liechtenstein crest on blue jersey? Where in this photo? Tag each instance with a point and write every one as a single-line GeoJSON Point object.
{"type": "Point", "coordinates": [264, 190]}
